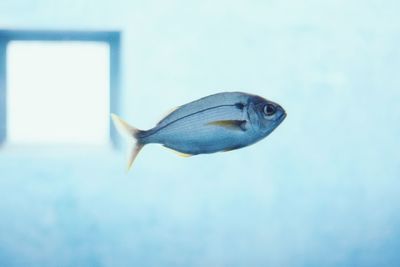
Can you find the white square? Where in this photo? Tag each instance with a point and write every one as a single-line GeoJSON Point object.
{"type": "Point", "coordinates": [58, 92]}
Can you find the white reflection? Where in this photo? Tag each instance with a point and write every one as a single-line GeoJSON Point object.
{"type": "Point", "coordinates": [58, 92]}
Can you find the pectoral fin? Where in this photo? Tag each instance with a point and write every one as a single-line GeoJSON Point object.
{"type": "Point", "coordinates": [230, 124]}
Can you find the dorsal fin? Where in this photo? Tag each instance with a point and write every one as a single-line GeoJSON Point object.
{"type": "Point", "coordinates": [169, 112]}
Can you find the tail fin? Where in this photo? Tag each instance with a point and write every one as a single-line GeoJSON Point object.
{"type": "Point", "coordinates": [129, 133]}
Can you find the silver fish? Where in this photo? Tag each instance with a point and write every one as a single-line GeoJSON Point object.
{"type": "Point", "coordinates": [219, 122]}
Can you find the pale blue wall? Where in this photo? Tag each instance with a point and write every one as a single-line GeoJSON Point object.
{"type": "Point", "coordinates": [322, 190]}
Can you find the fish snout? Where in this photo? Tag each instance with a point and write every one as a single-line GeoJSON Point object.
{"type": "Point", "coordinates": [281, 113]}
{"type": "Point", "coordinates": [284, 115]}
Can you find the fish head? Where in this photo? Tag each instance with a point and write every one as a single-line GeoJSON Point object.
{"type": "Point", "coordinates": [265, 115]}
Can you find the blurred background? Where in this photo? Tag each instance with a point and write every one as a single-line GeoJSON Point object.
{"type": "Point", "coordinates": [322, 190]}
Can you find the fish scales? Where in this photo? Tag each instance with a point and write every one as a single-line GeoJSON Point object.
{"type": "Point", "coordinates": [205, 103]}
{"type": "Point", "coordinates": [219, 122]}
{"type": "Point", "coordinates": [197, 131]}
{"type": "Point", "coordinates": [201, 119]}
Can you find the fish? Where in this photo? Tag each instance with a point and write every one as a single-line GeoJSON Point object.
{"type": "Point", "coordinates": [216, 123]}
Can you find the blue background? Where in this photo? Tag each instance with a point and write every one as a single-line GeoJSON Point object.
{"type": "Point", "coordinates": [322, 190]}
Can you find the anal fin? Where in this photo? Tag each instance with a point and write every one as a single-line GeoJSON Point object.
{"type": "Point", "coordinates": [180, 154]}
{"type": "Point", "coordinates": [232, 148]}
{"type": "Point", "coordinates": [183, 155]}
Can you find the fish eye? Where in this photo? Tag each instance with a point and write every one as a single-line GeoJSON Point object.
{"type": "Point", "coordinates": [269, 109]}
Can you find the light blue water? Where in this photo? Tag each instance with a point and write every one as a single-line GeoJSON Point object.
{"type": "Point", "coordinates": [322, 190]}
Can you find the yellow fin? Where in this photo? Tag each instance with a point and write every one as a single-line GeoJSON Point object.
{"type": "Point", "coordinates": [129, 133]}
{"type": "Point", "coordinates": [183, 155]}
{"type": "Point", "coordinates": [230, 124]}
{"type": "Point", "coordinates": [180, 154]}
{"type": "Point", "coordinates": [133, 154]}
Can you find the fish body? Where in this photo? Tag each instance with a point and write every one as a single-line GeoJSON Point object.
{"type": "Point", "coordinates": [219, 122]}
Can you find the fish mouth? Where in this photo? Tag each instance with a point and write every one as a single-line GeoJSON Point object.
{"type": "Point", "coordinates": [282, 117]}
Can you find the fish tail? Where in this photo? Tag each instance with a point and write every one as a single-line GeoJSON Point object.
{"type": "Point", "coordinates": [130, 133]}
